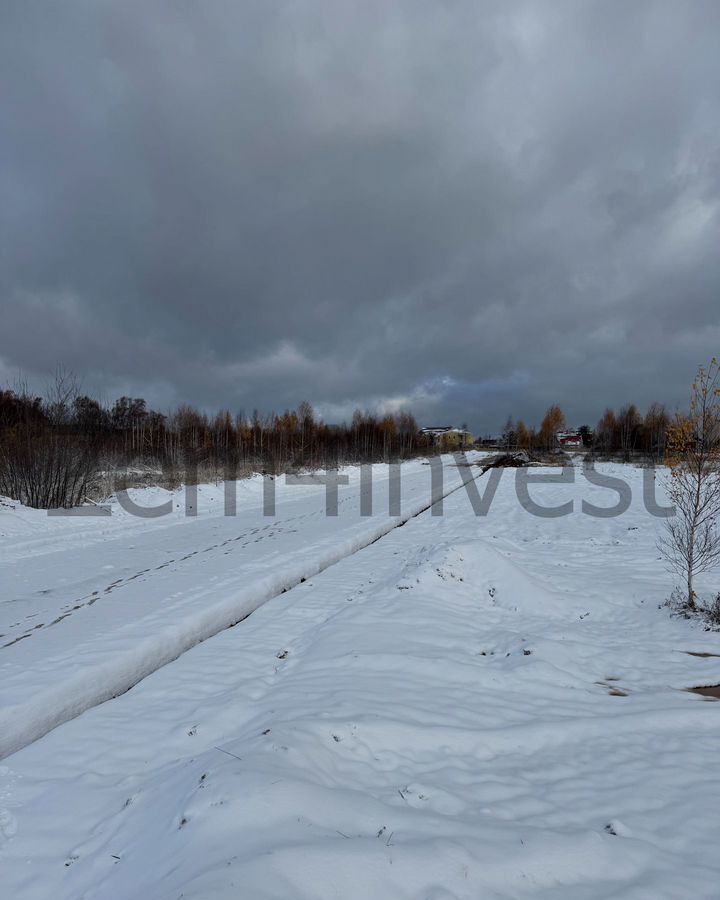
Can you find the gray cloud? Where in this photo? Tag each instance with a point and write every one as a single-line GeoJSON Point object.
{"type": "Point", "coordinates": [471, 208]}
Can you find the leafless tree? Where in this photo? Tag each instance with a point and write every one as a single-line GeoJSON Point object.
{"type": "Point", "coordinates": [656, 427]}
{"type": "Point", "coordinates": [60, 394]}
{"type": "Point", "coordinates": [691, 544]}
{"type": "Point", "coordinates": [628, 423]}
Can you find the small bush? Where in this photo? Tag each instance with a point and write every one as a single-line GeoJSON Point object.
{"type": "Point", "coordinates": [677, 602]}
{"type": "Point", "coordinates": [711, 613]}
{"type": "Point", "coordinates": [47, 470]}
{"type": "Point", "coordinates": [708, 613]}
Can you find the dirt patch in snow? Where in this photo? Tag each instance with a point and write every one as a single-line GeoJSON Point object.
{"type": "Point", "coordinates": [612, 689]}
{"type": "Point", "coordinates": [709, 692]}
{"type": "Point", "coordinates": [507, 461]}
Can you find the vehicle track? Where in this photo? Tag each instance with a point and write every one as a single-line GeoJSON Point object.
{"type": "Point", "coordinates": [24, 723]}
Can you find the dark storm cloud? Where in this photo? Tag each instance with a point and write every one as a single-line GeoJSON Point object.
{"type": "Point", "coordinates": [469, 208]}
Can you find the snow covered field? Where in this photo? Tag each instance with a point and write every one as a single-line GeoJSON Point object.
{"type": "Point", "coordinates": [469, 707]}
{"type": "Point", "coordinates": [92, 605]}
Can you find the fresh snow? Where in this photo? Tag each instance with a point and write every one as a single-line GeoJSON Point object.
{"type": "Point", "coordinates": [81, 627]}
{"type": "Point", "coordinates": [469, 707]}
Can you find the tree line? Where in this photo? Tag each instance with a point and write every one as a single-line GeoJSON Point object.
{"type": "Point", "coordinates": [52, 447]}
{"type": "Point", "coordinates": [626, 432]}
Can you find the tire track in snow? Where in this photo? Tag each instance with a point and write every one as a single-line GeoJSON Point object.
{"type": "Point", "coordinates": [23, 723]}
{"type": "Point", "coordinates": [90, 599]}
{"type": "Point", "coordinates": [87, 600]}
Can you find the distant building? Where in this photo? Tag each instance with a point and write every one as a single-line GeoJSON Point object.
{"type": "Point", "coordinates": [569, 439]}
{"type": "Point", "coordinates": [447, 437]}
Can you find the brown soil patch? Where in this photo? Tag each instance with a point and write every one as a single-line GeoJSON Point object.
{"type": "Point", "coordinates": [709, 691]}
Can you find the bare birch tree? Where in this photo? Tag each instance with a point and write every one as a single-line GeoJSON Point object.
{"type": "Point", "coordinates": [691, 544]}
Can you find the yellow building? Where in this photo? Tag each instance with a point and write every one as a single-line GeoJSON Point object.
{"type": "Point", "coordinates": [446, 438]}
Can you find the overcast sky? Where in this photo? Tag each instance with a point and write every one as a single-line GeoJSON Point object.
{"type": "Point", "coordinates": [466, 208]}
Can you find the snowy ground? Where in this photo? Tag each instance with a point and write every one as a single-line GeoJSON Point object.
{"type": "Point", "coordinates": [467, 708]}
{"type": "Point", "coordinates": [91, 605]}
